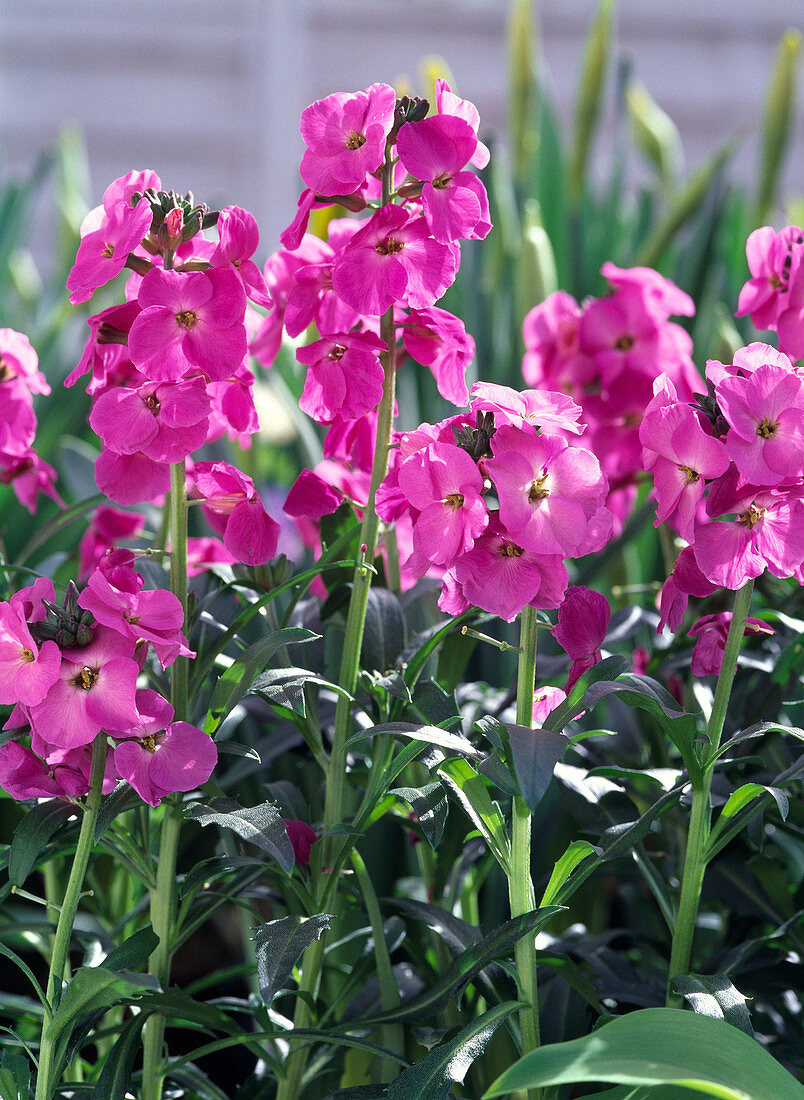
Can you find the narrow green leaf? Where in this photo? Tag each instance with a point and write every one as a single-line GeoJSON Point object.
{"type": "Point", "coordinates": [134, 952]}
{"type": "Point", "coordinates": [279, 944]}
{"type": "Point", "coordinates": [433, 735]}
{"type": "Point", "coordinates": [656, 1047]}
{"type": "Point", "coordinates": [535, 754]}
{"type": "Point", "coordinates": [32, 834]}
{"type": "Point", "coordinates": [471, 791]}
{"type": "Point", "coordinates": [260, 825]}
{"type": "Point", "coordinates": [715, 995]}
{"type": "Point", "coordinates": [430, 805]}
{"type": "Point", "coordinates": [777, 124]}
{"type": "Point", "coordinates": [576, 853]}
{"type": "Point", "coordinates": [747, 793]}
{"type": "Point", "coordinates": [15, 1076]}
{"type": "Point", "coordinates": [117, 1066]}
{"type": "Point", "coordinates": [590, 95]}
{"type": "Point", "coordinates": [448, 1063]}
{"type": "Point", "coordinates": [91, 988]}
{"type": "Point", "coordinates": [29, 974]}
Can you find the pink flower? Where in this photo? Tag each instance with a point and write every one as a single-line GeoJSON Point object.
{"type": "Point", "coordinates": [105, 353]}
{"type": "Point", "coordinates": [770, 259]}
{"type": "Point", "coordinates": [712, 632]}
{"type": "Point", "coordinates": [393, 259]}
{"type": "Point", "coordinates": [164, 756]}
{"type": "Point", "coordinates": [311, 496]}
{"type": "Point", "coordinates": [545, 701]}
{"type": "Point", "coordinates": [448, 103]}
{"type": "Point", "coordinates": [29, 475]}
{"type": "Point", "coordinates": [583, 619]}
{"type": "Point", "coordinates": [662, 297]}
{"type": "Point", "coordinates": [239, 238]}
{"type": "Point", "coordinates": [345, 137]}
{"type": "Point", "coordinates": [166, 421]}
{"type": "Point", "coordinates": [551, 335]}
{"type": "Point", "coordinates": [24, 775]}
{"type": "Point", "coordinates": [302, 838]}
{"type": "Point", "coordinates": [108, 526]}
{"type": "Point", "coordinates": [454, 202]}
{"type": "Point", "coordinates": [131, 479]}
{"type": "Point", "coordinates": [95, 691]}
{"type": "Point", "coordinates": [438, 340]}
{"type": "Point", "coordinates": [685, 580]}
{"type": "Point", "coordinates": [231, 498]}
{"type": "Point", "coordinates": [27, 672]}
{"type": "Point", "coordinates": [189, 321]}
{"type": "Point", "coordinates": [444, 485]}
{"type": "Point", "coordinates": [344, 376]}
{"type": "Point", "coordinates": [115, 231]}
{"type": "Point", "coordinates": [539, 409]}
{"type": "Point", "coordinates": [19, 361]}
{"type": "Point", "coordinates": [766, 415]}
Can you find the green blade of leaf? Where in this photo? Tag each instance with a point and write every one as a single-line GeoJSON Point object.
{"type": "Point", "coordinates": [261, 825]}
{"type": "Point", "coordinates": [279, 944]}
{"type": "Point", "coordinates": [32, 835]}
{"type": "Point", "coordinates": [430, 805]}
{"type": "Point", "coordinates": [715, 995]}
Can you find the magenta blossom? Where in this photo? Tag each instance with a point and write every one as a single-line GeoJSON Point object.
{"type": "Point", "coordinates": [108, 526]}
{"type": "Point", "coordinates": [685, 580]}
{"type": "Point", "coordinates": [27, 672]}
{"type": "Point", "coordinates": [448, 103]}
{"type": "Point", "coordinates": [166, 421]}
{"type": "Point", "coordinates": [345, 138]}
{"type": "Point", "coordinates": [189, 322]}
{"type": "Point", "coordinates": [311, 496]}
{"type": "Point", "coordinates": [545, 701]}
{"type": "Point", "coordinates": [104, 250]}
{"type": "Point", "coordinates": [131, 479]}
{"type": "Point", "coordinates": [438, 340]}
{"type": "Point", "coordinates": [302, 838]}
{"type": "Point", "coordinates": [344, 376]}
{"type": "Point", "coordinates": [583, 619]}
{"type": "Point", "coordinates": [239, 238]}
{"type": "Point", "coordinates": [712, 632]}
{"type": "Point", "coordinates": [765, 413]}
{"type": "Point", "coordinates": [237, 512]}
{"type": "Point", "coordinates": [770, 259]}
{"type": "Point", "coordinates": [163, 756]}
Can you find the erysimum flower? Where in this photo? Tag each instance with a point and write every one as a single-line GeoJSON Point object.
{"type": "Point", "coordinates": [237, 512]}
{"type": "Point", "coordinates": [583, 619]}
{"type": "Point", "coordinates": [345, 138]}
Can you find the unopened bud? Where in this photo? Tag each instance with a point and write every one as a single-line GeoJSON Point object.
{"type": "Point", "coordinates": [65, 639]}
{"type": "Point", "coordinates": [170, 231]}
{"type": "Point", "coordinates": [84, 635]}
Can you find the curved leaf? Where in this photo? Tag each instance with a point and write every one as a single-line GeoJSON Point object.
{"type": "Point", "coordinates": [715, 995]}
{"type": "Point", "coordinates": [261, 825]}
{"type": "Point", "coordinates": [32, 835]}
{"type": "Point", "coordinates": [279, 945]}
{"type": "Point", "coordinates": [430, 805]}
{"type": "Point", "coordinates": [657, 1047]}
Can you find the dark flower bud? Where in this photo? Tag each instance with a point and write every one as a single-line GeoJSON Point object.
{"type": "Point", "coordinates": [477, 441]}
{"type": "Point", "coordinates": [84, 634]}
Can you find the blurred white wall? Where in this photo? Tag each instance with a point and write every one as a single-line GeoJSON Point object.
{"type": "Point", "coordinates": [209, 92]}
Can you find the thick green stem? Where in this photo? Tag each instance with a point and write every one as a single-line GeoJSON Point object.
{"type": "Point", "coordinates": [700, 815]}
{"type": "Point", "coordinates": [163, 898]}
{"type": "Point", "coordinates": [46, 1080]}
{"type": "Point", "coordinates": [520, 883]}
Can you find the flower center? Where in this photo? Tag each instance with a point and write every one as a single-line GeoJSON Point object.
{"type": "Point", "coordinates": [690, 475]}
{"type": "Point", "coordinates": [443, 181]}
{"type": "Point", "coordinates": [767, 428]}
{"type": "Point", "coordinates": [187, 319]}
{"type": "Point", "coordinates": [454, 500]}
{"type": "Point", "coordinates": [27, 656]}
{"type": "Point", "coordinates": [85, 679]}
{"type": "Point", "coordinates": [751, 516]}
{"type": "Point", "coordinates": [510, 550]}
{"type": "Point", "coordinates": [108, 250]}
{"type": "Point", "coordinates": [355, 140]}
{"type": "Point", "coordinates": [337, 352]}
{"type": "Point", "coordinates": [537, 490]}
{"type": "Point", "coordinates": [6, 372]}
{"type": "Point", "coordinates": [390, 246]}
{"type": "Point", "coordinates": [624, 342]}
{"type": "Point", "coordinates": [151, 403]}
{"type": "Point", "coordinates": [150, 742]}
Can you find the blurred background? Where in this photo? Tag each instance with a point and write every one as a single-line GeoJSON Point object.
{"type": "Point", "coordinates": [209, 93]}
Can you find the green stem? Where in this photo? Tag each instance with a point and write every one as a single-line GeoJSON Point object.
{"type": "Point", "coordinates": [329, 850]}
{"type": "Point", "coordinates": [45, 1081]}
{"type": "Point", "coordinates": [163, 898]}
{"type": "Point", "coordinates": [520, 883]}
{"type": "Point", "coordinates": [700, 815]}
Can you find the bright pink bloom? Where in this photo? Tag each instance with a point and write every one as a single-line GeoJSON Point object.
{"type": "Point", "coordinates": [27, 672]}
{"type": "Point", "coordinates": [549, 492]}
{"type": "Point", "coordinates": [103, 251]}
{"type": "Point", "coordinates": [95, 691]}
{"type": "Point", "coordinates": [103, 355]}
{"type": "Point", "coordinates": [302, 838]}
{"type": "Point", "coordinates": [551, 333]}
{"type": "Point", "coordinates": [448, 103]}
{"type": "Point", "coordinates": [344, 376]}
{"type": "Point", "coordinates": [766, 415]}
{"type": "Point", "coordinates": [545, 701]}
{"type": "Point", "coordinates": [237, 512]}
{"type": "Point", "coordinates": [685, 580]}
{"type": "Point", "coordinates": [583, 620]}
{"type": "Point", "coordinates": [19, 361]}
{"type": "Point", "coordinates": [444, 485]}
{"type": "Point", "coordinates": [166, 421]}
{"type": "Point", "coordinates": [438, 340]}
{"type": "Point", "coordinates": [131, 479]}
{"type": "Point", "coordinates": [771, 258]}
{"type": "Point", "coordinates": [204, 552]}
{"type": "Point", "coordinates": [393, 259]}
{"type": "Point", "coordinates": [189, 321]}
{"type": "Point", "coordinates": [435, 151]}
{"type": "Point", "coordinates": [345, 138]}
{"type": "Point", "coordinates": [29, 475]}
{"type": "Point", "coordinates": [712, 632]}
{"type": "Point", "coordinates": [540, 409]}
{"type": "Point", "coordinates": [311, 496]}
{"type": "Point", "coordinates": [662, 297]}
{"type": "Point", "coordinates": [239, 239]}
{"type": "Point", "coordinates": [165, 756]}
{"type": "Point", "coordinates": [24, 775]}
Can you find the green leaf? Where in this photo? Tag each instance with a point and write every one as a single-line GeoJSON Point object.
{"type": "Point", "coordinates": [122, 798]}
{"type": "Point", "coordinates": [535, 754]}
{"type": "Point", "coordinates": [119, 1062]}
{"type": "Point", "coordinates": [471, 791]}
{"type": "Point", "coordinates": [384, 634]}
{"type": "Point", "coordinates": [448, 1063]}
{"type": "Point", "coordinates": [658, 1047]}
{"type": "Point", "coordinates": [747, 793]}
{"type": "Point", "coordinates": [134, 952]}
{"type": "Point", "coordinates": [430, 805]}
{"type": "Point", "coordinates": [237, 679]}
{"type": "Point", "coordinates": [575, 702]}
{"type": "Point", "coordinates": [433, 735]}
{"type": "Point", "coordinates": [32, 835]}
{"type": "Point", "coordinates": [462, 970]}
{"type": "Point", "coordinates": [15, 1076]}
{"type": "Point", "coordinates": [91, 988]}
{"type": "Point", "coordinates": [578, 851]}
{"type": "Point", "coordinates": [715, 995]}
{"type": "Point", "coordinates": [14, 957]}
{"type": "Point", "coordinates": [280, 943]}
{"type": "Point", "coordinates": [260, 825]}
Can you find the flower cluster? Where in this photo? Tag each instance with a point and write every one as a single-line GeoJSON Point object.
{"type": "Point", "coordinates": [729, 474]}
{"type": "Point", "coordinates": [71, 672]}
{"type": "Point", "coordinates": [498, 499]}
{"type": "Point", "coordinates": [368, 151]}
{"type": "Point", "coordinates": [20, 379]}
{"type": "Point", "coordinates": [169, 369]}
{"type": "Point", "coordinates": [774, 295]}
{"type": "Point", "coordinates": [606, 354]}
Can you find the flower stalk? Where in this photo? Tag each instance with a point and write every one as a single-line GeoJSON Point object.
{"type": "Point", "coordinates": [701, 812]}
{"type": "Point", "coordinates": [47, 1075]}
{"type": "Point", "coordinates": [163, 898]}
{"type": "Point", "coordinates": [520, 884]}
